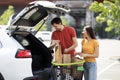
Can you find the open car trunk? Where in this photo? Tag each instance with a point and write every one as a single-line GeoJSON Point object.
{"type": "Point", "coordinates": [20, 27]}
{"type": "Point", "coordinates": [33, 13]}
{"type": "Point", "coordinates": [41, 55]}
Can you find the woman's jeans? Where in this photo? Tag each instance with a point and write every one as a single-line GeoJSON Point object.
{"type": "Point", "coordinates": [90, 70]}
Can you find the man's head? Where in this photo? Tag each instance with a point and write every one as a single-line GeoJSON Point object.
{"type": "Point", "coordinates": [57, 23]}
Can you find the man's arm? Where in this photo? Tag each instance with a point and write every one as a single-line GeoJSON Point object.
{"type": "Point", "coordinates": [54, 43]}
{"type": "Point", "coordinates": [75, 44]}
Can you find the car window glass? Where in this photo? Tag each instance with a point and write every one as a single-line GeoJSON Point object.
{"type": "Point", "coordinates": [38, 16]}
{"type": "Point", "coordinates": [22, 40]}
{"type": "Point", "coordinates": [32, 17]}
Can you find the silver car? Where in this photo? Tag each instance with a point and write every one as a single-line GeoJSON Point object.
{"type": "Point", "coordinates": [21, 53]}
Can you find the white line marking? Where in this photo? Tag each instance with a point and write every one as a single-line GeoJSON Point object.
{"type": "Point", "coordinates": [107, 68]}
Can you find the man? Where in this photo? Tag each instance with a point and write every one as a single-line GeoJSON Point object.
{"type": "Point", "coordinates": [65, 36]}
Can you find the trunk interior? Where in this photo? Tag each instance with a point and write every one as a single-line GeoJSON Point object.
{"type": "Point", "coordinates": [41, 55]}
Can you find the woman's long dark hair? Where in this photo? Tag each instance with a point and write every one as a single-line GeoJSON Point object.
{"type": "Point", "coordinates": [90, 32]}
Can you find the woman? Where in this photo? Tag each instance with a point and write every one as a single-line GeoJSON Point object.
{"type": "Point", "coordinates": [90, 51]}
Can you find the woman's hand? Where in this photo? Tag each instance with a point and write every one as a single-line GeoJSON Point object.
{"type": "Point", "coordinates": [83, 55]}
{"type": "Point", "coordinates": [77, 53]}
{"type": "Point", "coordinates": [80, 54]}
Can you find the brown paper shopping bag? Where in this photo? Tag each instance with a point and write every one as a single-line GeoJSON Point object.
{"type": "Point", "coordinates": [61, 58]}
{"type": "Point", "coordinates": [58, 55]}
{"type": "Point", "coordinates": [67, 58]}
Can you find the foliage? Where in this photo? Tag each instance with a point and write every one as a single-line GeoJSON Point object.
{"type": "Point", "coordinates": [64, 20]}
{"type": "Point", "coordinates": [6, 15]}
{"type": "Point", "coordinates": [109, 11]}
{"type": "Point", "coordinates": [40, 24]}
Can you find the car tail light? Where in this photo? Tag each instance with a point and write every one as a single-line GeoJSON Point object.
{"type": "Point", "coordinates": [23, 54]}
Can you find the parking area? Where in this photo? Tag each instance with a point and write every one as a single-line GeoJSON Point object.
{"type": "Point", "coordinates": [109, 59]}
{"type": "Point", "coordinates": [108, 70]}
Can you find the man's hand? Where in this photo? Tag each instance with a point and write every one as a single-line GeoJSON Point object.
{"type": "Point", "coordinates": [54, 43]}
{"type": "Point", "coordinates": [66, 51]}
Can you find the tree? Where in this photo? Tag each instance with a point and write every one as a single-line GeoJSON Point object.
{"type": "Point", "coordinates": [109, 12]}
{"type": "Point", "coordinates": [6, 15]}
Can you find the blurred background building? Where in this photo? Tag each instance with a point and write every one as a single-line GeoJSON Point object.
{"type": "Point", "coordinates": [79, 10]}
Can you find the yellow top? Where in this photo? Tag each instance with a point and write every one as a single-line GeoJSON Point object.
{"type": "Point", "coordinates": [88, 47]}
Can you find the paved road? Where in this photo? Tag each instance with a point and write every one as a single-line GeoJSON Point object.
{"type": "Point", "coordinates": [109, 59]}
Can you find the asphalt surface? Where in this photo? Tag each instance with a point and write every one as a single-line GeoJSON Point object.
{"type": "Point", "coordinates": [108, 62]}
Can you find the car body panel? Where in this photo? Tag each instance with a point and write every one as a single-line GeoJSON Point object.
{"type": "Point", "coordinates": [44, 35]}
{"type": "Point", "coordinates": [9, 64]}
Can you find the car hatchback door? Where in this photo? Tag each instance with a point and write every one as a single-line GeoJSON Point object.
{"type": "Point", "coordinates": [33, 13]}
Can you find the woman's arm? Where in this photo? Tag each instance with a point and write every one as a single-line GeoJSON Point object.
{"type": "Point", "coordinates": [95, 54]}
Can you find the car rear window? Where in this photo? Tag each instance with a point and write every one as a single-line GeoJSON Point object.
{"type": "Point", "coordinates": [32, 17]}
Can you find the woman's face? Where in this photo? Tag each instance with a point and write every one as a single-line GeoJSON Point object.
{"type": "Point", "coordinates": [84, 33]}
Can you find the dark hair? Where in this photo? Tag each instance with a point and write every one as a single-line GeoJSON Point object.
{"type": "Point", "coordinates": [56, 20]}
{"type": "Point", "coordinates": [90, 32]}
